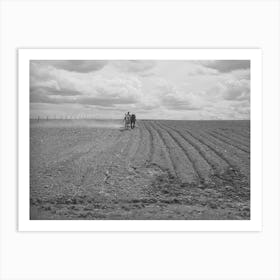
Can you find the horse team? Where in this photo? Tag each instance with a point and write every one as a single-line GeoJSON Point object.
{"type": "Point", "coordinates": [129, 120]}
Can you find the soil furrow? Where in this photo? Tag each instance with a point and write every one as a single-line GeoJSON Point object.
{"type": "Point", "coordinates": [227, 142]}
{"type": "Point", "coordinates": [194, 161]}
{"type": "Point", "coordinates": [169, 153]}
{"type": "Point", "coordinates": [162, 153]}
{"type": "Point", "coordinates": [151, 144]}
{"type": "Point", "coordinates": [140, 129]}
{"type": "Point", "coordinates": [219, 154]}
{"type": "Point", "coordinates": [233, 137]}
{"type": "Point", "coordinates": [183, 167]}
{"type": "Point", "coordinates": [142, 155]}
{"type": "Point", "coordinates": [208, 155]}
{"type": "Point", "coordinates": [240, 133]}
{"type": "Point", "coordinates": [154, 171]}
{"type": "Point", "coordinates": [239, 160]}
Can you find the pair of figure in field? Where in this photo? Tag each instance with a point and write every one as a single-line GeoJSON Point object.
{"type": "Point", "coordinates": [129, 120]}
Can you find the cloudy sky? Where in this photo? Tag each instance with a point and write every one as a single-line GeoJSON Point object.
{"type": "Point", "coordinates": [167, 89]}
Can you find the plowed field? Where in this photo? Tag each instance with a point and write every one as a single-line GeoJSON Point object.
{"type": "Point", "coordinates": [160, 170]}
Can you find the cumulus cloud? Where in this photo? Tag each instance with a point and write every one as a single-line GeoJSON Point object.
{"type": "Point", "coordinates": [238, 90]}
{"type": "Point", "coordinates": [39, 96]}
{"type": "Point", "coordinates": [53, 92]}
{"type": "Point", "coordinates": [241, 74]}
{"type": "Point", "coordinates": [83, 66]}
{"type": "Point", "coordinates": [178, 103]}
{"type": "Point", "coordinates": [172, 98]}
{"type": "Point", "coordinates": [235, 89]}
{"type": "Point", "coordinates": [60, 86]}
{"type": "Point", "coordinates": [134, 65]}
{"type": "Point", "coordinates": [153, 89]}
{"type": "Point", "coordinates": [225, 66]}
{"type": "Point", "coordinates": [202, 70]}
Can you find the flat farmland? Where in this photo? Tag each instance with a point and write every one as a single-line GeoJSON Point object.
{"type": "Point", "coordinates": [172, 170]}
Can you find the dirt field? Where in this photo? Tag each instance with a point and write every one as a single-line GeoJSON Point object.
{"type": "Point", "coordinates": [159, 170]}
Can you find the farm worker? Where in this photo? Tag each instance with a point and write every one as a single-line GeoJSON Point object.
{"type": "Point", "coordinates": [132, 121]}
{"type": "Point", "coordinates": [126, 120]}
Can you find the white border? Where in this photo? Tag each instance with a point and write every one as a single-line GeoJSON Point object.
{"type": "Point", "coordinates": [25, 224]}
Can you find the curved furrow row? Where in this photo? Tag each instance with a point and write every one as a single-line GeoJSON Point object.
{"type": "Point", "coordinates": [225, 141]}
{"type": "Point", "coordinates": [233, 137]}
{"type": "Point", "coordinates": [237, 160]}
{"type": "Point", "coordinates": [201, 166]}
{"type": "Point", "coordinates": [184, 168]}
{"type": "Point", "coordinates": [141, 137]}
{"type": "Point", "coordinates": [151, 143]}
{"type": "Point", "coordinates": [133, 146]}
{"type": "Point", "coordinates": [243, 133]}
{"type": "Point", "coordinates": [162, 157]}
{"type": "Point", "coordinates": [143, 153]}
{"type": "Point", "coordinates": [210, 156]}
{"type": "Point", "coordinates": [237, 131]}
{"type": "Point", "coordinates": [211, 148]}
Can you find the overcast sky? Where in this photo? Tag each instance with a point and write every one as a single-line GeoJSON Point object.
{"type": "Point", "coordinates": [150, 89]}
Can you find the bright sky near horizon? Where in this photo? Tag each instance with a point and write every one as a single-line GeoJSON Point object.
{"type": "Point", "coordinates": [152, 89]}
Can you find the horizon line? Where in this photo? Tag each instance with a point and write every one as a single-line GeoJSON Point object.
{"type": "Point", "coordinates": [110, 119]}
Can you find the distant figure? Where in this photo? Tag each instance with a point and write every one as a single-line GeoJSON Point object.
{"type": "Point", "coordinates": [126, 120]}
{"type": "Point", "coordinates": [132, 121]}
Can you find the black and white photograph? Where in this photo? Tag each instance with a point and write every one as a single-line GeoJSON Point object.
{"type": "Point", "coordinates": [140, 139]}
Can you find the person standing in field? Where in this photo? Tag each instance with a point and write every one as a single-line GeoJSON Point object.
{"type": "Point", "coordinates": [132, 121]}
{"type": "Point", "coordinates": [127, 120]}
